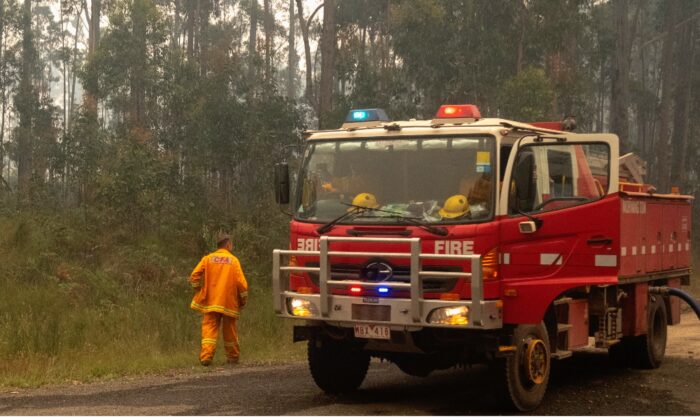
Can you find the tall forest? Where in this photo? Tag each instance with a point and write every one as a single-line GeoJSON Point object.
{"type": "Point", "coordinates": [144, 112]}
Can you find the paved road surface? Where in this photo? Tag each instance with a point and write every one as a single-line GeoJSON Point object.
{"type": "Point", "coordinates": [583, 385]}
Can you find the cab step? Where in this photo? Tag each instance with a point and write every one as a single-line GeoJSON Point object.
{"type": "Point", "coordinates": [562, 354]}
{"type": "Point", "coordinates": [561, 327]}
{"type": "Point", "coordinates": [562, 301]}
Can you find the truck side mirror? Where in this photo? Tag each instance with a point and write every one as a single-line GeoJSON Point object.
{"type": "Point", "coordinates": [282, 186]}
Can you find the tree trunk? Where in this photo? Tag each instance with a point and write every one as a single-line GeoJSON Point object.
{"type": "Point", "coordinates": [74, 65]}
{"type": "Point", "coordinates": [269, 27]}
{"type": "Point", "coordinates": [307, 54]}
{"type": "Point", "coordinates": [292, 56]}
{"type": "Point", "coordinates": [522, 22]}
{"type": "Point", "coordinates": [136, 82]}
{"type": "Point", "coordinates": [685, 56]}
{"type": "Point", "coordinates": [191, 7]}
{"type": "Point", "coordinates": [663, 169]}
{"type": "Point", "coordinates": [64, 73]}
{"type": "Point", "coordinates": [328, 47]}
{"type": "Point", "coordinates": [91, 81]}
{"type": "Point", "coordinates": [2, 87]}
{"type": "Point", "coordinates": [203, 38]}
{"type": "Point", "coordinates": [25, 103]}
{"type": "Point", "coordinates": [619, 101]}
{"type": "Point", "coordinates": [252, 39]}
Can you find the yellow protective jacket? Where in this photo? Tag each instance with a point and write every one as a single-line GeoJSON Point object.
{"type": "Point", "coordinates": [223, 287]}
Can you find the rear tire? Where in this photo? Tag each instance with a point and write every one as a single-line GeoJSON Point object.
{"type": "Point", "coordinates": [335, 366]}
{"type": "Point", "coordinates": [522, 378]}
{"type": "Point", "coordinates": [648, 350]}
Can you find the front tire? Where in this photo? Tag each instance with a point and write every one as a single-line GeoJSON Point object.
{"type": "Point", "coordinates": [523, 377]}
{"type": "Point", "coordinates": [335, 366]}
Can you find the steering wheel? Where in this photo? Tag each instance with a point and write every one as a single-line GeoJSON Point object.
{"type": "Point", "coordinates": [554, 199]}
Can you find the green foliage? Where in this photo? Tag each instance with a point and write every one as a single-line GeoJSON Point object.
{"type": "Point", "coordinates": [527, 96]}
{"type": "Point", "coordinates": [77, 300]}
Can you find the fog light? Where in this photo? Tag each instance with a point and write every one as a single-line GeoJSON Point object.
{"type": "Point", "coordinates": [450, 315]}
{"type": "Point", "coordinates": [301, 307]}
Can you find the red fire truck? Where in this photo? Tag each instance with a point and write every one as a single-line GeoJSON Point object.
{"type": "Point", "coordinates": [462, 239]}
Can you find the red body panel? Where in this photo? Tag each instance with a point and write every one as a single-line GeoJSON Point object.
{"type": "Point", "coordinates": [655, 235]}
{"type": "Point", "coordinates": [634, 310]}
{"type": "Point", "coordinates": [578, 318]}
{"type": "Point", "coordinates": [558, 257]}
{"type": "Point", "coordinates": [674, 303]}
{"type": "Point", "coordinates": [585, 245]}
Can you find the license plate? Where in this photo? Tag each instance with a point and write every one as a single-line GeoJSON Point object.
{"type": "Point", "coordinates": [381, 332]}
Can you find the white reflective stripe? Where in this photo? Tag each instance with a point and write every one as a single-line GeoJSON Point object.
{"type": "Point", "coordinates": [679, 247]}
{"type": "Point", "coordinates": [505, 258]}
{"type": "Point", "coordinates": [606, 260]}
{"type": "Point", "coordinates": [550, 259]}
{"type": "Point", "coordinates": [623, 251]}
{"type": "Point", "coordinates": [634, 250]}
{"type": "Point", "coordinates": [653, 249]}
{"type": "Point", "coordinates": [644, 249]}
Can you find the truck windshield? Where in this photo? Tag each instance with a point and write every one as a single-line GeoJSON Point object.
{"type": "Point", "coordinates": [434, 180]}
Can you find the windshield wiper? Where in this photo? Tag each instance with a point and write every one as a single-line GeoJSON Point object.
{"type": "Point", "coordinates": [355, 211]}
{"type": "Point", "coordinates": [441, 231]}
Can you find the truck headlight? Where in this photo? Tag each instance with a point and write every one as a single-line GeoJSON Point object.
{"type": "Point", "coordinates": [450, 315]}
{"type": "Point", "coordinates": [301, 307]}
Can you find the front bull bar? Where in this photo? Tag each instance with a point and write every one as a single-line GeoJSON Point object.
{"type": "Point", "coordinates": [482, 314]}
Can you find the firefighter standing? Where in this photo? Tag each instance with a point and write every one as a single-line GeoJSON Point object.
{"type": "Point", "coordinates": [222, 291]}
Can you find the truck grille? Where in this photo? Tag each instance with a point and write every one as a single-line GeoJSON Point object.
{"type": "Point", "coordinates": [402, 274]}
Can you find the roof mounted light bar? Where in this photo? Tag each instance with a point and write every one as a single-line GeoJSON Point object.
{"type": "Point", "coordinates": [368, 117]}
{"type": "Point", "coordinates": [457, 114]}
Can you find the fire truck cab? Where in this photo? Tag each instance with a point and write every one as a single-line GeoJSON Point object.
{"type": "Point", "coordinates": [461, 239]}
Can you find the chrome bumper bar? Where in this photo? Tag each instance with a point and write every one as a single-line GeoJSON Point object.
{"type": "Point", "coordinates": [404, 312]}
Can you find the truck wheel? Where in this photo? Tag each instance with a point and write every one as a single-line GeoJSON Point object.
{"type": "Point", "coordinates": [524, 376]}
{"type": "Point", "coordinates": [335, 366]}
{"type": "Point", "coordinates": [648, 350]}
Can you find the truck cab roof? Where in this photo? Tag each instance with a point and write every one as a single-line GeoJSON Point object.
{"type": "Point", "coordinates": [496, 126]}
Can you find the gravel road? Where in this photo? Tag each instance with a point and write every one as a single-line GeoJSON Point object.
{"type": "Point", "coordinates": [585, 384]}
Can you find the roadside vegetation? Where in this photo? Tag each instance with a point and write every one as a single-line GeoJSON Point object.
{"type": "Point", "coordinates": [80, 304]}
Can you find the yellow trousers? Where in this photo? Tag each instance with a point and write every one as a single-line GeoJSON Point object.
{"type": "Point", "coordinates": [210, 333]}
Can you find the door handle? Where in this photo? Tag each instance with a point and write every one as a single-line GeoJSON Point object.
{"type": "Point", "coordinates": [600, 241]}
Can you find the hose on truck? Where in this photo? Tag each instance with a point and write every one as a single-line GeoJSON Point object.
{"type": "Point", "coordinates": [670, 291]}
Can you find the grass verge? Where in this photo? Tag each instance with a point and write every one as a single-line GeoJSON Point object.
{"type": "Point", "coordinates": [77, 306]}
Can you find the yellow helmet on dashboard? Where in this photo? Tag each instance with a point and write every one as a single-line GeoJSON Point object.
{"type": "Point", "coordinates": [365, 200]}
{"type": "Point", "coordinates": [454, 207]}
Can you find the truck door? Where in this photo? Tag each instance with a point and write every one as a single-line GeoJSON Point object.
{"type": "Point", "coordinates": [568, 186]}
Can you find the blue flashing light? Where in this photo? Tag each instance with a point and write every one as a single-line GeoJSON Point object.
{"type": "Point", "coordinates": [383, 290]}
{"type": "Point", "coordinates": [359, 115]}
{"type": "Point", "coordinates": [363, 115]}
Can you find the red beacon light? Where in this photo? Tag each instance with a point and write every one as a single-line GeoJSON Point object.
{"type": "Point", "coordinates": [457, 114]}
